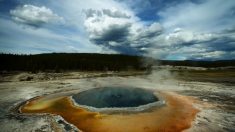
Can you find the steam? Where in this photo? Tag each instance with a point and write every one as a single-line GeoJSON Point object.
{"type": "Point", "coordinates": [159, 79]}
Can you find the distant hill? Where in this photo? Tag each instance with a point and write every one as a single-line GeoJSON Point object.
{"type": "Point", "coordinates": [206, 64]}
{"type": "Point", "coordinates": [92, 62]}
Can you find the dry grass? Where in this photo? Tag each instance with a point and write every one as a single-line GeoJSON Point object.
{"type": "Point", "coordinates": [216, 76]}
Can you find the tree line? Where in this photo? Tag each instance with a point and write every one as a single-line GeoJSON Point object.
{"type": "Point", "coordinates": [70, 61]}
{"type": "Point", "coordinates": [92, 62]}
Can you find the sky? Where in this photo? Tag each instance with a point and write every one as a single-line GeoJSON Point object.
{"type": "Point", "coordinates": [162, 29]}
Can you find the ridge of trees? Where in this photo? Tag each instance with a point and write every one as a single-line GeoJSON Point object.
{"type": "Point", "coordinates": [70, 61]}
{"type": "Point", "coordinates": [92, 62]}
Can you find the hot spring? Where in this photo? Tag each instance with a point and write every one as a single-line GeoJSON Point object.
{"type": "Point", "coordinates": [115, 97]}
{"type": "Point", "coordinates": [117, 108]}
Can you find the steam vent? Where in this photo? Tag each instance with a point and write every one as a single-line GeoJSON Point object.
{"type": "Point", "coordinates": [117, 109]}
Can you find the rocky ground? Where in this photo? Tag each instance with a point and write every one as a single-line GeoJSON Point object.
{"type": "Point", "coordinates": [214, 98]}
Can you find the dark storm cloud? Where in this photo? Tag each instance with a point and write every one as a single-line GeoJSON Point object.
{"type": "Point", "coordinates": [120, 32]}
{"type": "Point", "coordinates": [114, 33]}
{"type": "Point", "coordinates": [151, 31]}
{"type": "Point", "coordinates": [115, 13]}
{"type": "Point", "coordinates": [116, 37]}
{"type": "Point", "coordinates": [229, 30]}
{"type": "Point", "coordinates": [117, 31]}
{"type": "Point", "coordinates": [226, 44]}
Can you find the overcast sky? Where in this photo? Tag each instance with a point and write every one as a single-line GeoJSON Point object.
{"type": "Point", "coordinates": [163, 29]}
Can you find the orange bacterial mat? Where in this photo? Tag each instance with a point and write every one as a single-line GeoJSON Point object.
{"type": "Point", "coordinates": [175, 116]}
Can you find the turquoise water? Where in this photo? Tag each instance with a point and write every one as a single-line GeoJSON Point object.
{"type": "Point", "coordinates": [109, 97]}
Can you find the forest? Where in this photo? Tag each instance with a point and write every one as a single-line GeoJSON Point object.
{"type": "Point", "coordinates": [58, 62]}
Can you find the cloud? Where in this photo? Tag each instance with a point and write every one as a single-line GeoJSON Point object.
{"type": "Point", "coordinates": [150, 31]}
{"type": "Point", "coordinates": [34, 16]}
{"type": "Point", "coordinates": [122, 33]}
{"type": "Point", "coordinates": [184, 37]}
{"type": "Point", "coordinates": [113, 33]}
{"type": "Point", "coordinates": [164, 29]}
{"type": "Point", "coordinates": [15, 39]}
{"type": "Point", "coordinates": [196, 30]}
{"type": "Point", "coordinates": [147, 10]}
{"type": "Point", "coordinates": [115, 13]}
{"type": "Point", "coordinates": [108, 12]}
{"type": "Point", "coordinates": [193, 45]}
{"type": "Point", "coordinates": [181, 33]}
{"type": "Point", "coordinates": [204, 16]}
{"type": "Point", "coordinates": [50, 36]}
